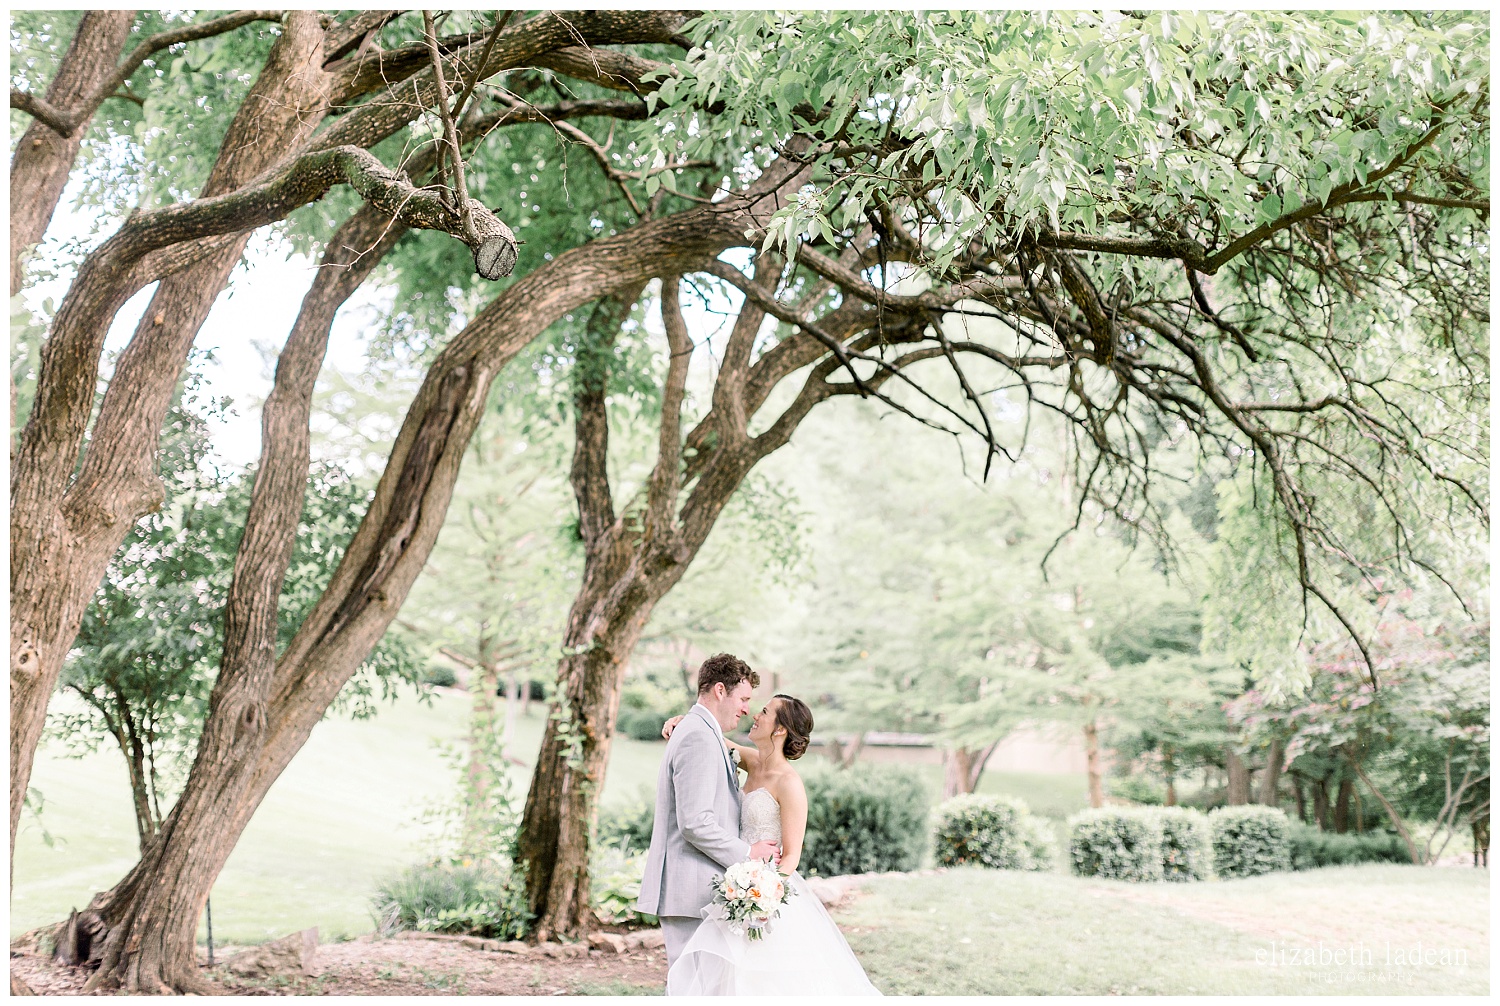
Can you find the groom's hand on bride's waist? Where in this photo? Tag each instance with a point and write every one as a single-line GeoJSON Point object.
{"type": "Point", "coordinates": [766, 850]}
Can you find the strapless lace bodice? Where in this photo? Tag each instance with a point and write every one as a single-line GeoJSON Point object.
{"type": "Point", "coordinates": [760, 817]}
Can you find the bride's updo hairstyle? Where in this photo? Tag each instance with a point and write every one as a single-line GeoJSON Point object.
{"type": "Point", "coordinates": [793, 716]}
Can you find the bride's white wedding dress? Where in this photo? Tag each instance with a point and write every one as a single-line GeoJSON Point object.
{"type": "Point", "coordinates": [803, 954]}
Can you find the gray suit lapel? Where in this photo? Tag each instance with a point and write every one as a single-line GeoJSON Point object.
{"type": "Point", "coordinates": [734, 779]}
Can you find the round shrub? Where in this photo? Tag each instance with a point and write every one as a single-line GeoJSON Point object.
{"type": "Point", "coordinates": [1186, 843]}
{"type": "Point", "coordinates": [1250, 840]}
{"type": "Point", "coordinates": [1115, 844]}
{"type": "Point", "coordinates": [478, 899]}
{"type": "Point", "coordinates": [1313, 847]}
{"type": "Point", "coordinates": [644, 708]}
{"type": "Point", "coordinates": [993, 831]}
{"type": "Point", "coordinates": [440, 676]}
{"type": "Point", "coordinates": [864, 820]}
{"type": "Point", "coordinates": [642, 724]}
{"type": "Point", "coordinates": [1138, 789]}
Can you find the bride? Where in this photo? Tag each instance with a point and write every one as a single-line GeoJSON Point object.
{"type": "Point", "coordinates": [803, 953]}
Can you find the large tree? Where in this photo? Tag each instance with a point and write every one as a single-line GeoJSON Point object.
{"type": "Point", "coordinates": [64, 530]}
{"type": "Point", "coordinates": [1248, 228]}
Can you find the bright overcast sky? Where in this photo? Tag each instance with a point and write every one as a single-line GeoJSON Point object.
{"type": "Point", "coordinates": [257, 309]}
{"type": "Point", "coordinates": [251, 319]}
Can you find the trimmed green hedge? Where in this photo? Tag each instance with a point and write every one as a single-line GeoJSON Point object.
{"type": "Point", "coordinates": [439, 676]}
{"type": "Point", "coordinates": [1250, 840]}
{"type": "Point", "coordinates": [1186, 843]}
{"type": "Point", "coordinates": [994, 831]}
{"type": "Point", "coordinates": [1312, 847]}
{"type": "Point", "coordinates": [865, 820]}
{"type": "Point", "coordinates": [1115, 844]}
{"type": "Point", "coordinates": [645, 706]}
{"type": "Point", "coordinates": [641, 724]}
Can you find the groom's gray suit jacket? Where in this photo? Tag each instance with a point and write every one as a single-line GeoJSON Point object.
{"type": "Point", "coordinates": [696, 830]}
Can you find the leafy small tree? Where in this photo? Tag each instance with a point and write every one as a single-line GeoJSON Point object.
{"type": "Point", "coordinates": [145, 655]}
{"type": "Point", "coordinates": [951, 626]}
{"type": "Point", "coordinates": [1419, 746]}
{"type": "Point", "coordinates": [148, 651]}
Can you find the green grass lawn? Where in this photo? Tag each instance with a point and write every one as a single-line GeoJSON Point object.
{"type": "Point", "coordinates": [346, 812]}
{"type": "Point", "coordinates": [982, 932]}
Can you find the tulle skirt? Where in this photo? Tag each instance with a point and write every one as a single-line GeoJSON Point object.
{"type": "Point", "coordinates": [804, 954]}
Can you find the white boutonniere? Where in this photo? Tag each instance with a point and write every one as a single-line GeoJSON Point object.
{"type": "Point", "coordinates": [734, 756]}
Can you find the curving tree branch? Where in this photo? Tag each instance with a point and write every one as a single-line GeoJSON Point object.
{"type": "Point", "coordinates": [66, 123]}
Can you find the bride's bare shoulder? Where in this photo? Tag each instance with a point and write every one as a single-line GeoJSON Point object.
{"type": "Point", "coordinates": [787, 783]}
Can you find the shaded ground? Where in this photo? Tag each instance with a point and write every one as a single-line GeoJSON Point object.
{"type": "Point", "coordinates": [379, 967]}
{"type": "Point", "coordinates": [988, 932]}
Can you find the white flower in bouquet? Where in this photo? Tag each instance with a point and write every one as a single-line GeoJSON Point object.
{"type": "Point", "coordinates": [749, 896]}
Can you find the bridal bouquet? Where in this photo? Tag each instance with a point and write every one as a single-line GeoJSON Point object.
{"type": "Point", "coordinates": [749, 896]}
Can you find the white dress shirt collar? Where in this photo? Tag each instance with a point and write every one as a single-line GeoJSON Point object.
{"type": "Point", "coordinates": [712, 719]}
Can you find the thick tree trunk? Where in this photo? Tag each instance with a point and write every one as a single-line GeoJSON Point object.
{"type": "Point", "coordinates": [1320, 804]}
{"type": "Point", "coordinates": [150, 942]}
{"type": "Point", "coordinates": [52, 584]}
{"type": "Point", "coordinates": [1094, 766]}
{"type": "Point", "coordinates": [1301, 797]}
{"type": "Point", "coordinates": [1169, 769]}
{"type": "Point", "coordinates": [569, 775]}
{"type": "Point", "coordinates": [397, 533]}
{"type": "Point", "coordinates": [1271, 777]}
{"type": "Point", "coordinates": [962, 768]}
{"type": "Point", "coordinates": [275, 509]}
{"type": "Point", "coordinates": [43, 158]}
{"type": "Point", "coordinates": [1239, 778]}
{"type": "Point", "coordinates": [1341, 805]}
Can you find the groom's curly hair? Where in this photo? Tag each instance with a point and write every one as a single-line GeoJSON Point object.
{"type": "Point", "coordinates": [727, 669]}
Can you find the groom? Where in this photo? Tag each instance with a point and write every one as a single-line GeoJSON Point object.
{"type": "Point", "coordinates": [696, 830]}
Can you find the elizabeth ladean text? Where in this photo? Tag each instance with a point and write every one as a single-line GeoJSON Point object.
{"type": "Point", "coordinates": [1280, 955]}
